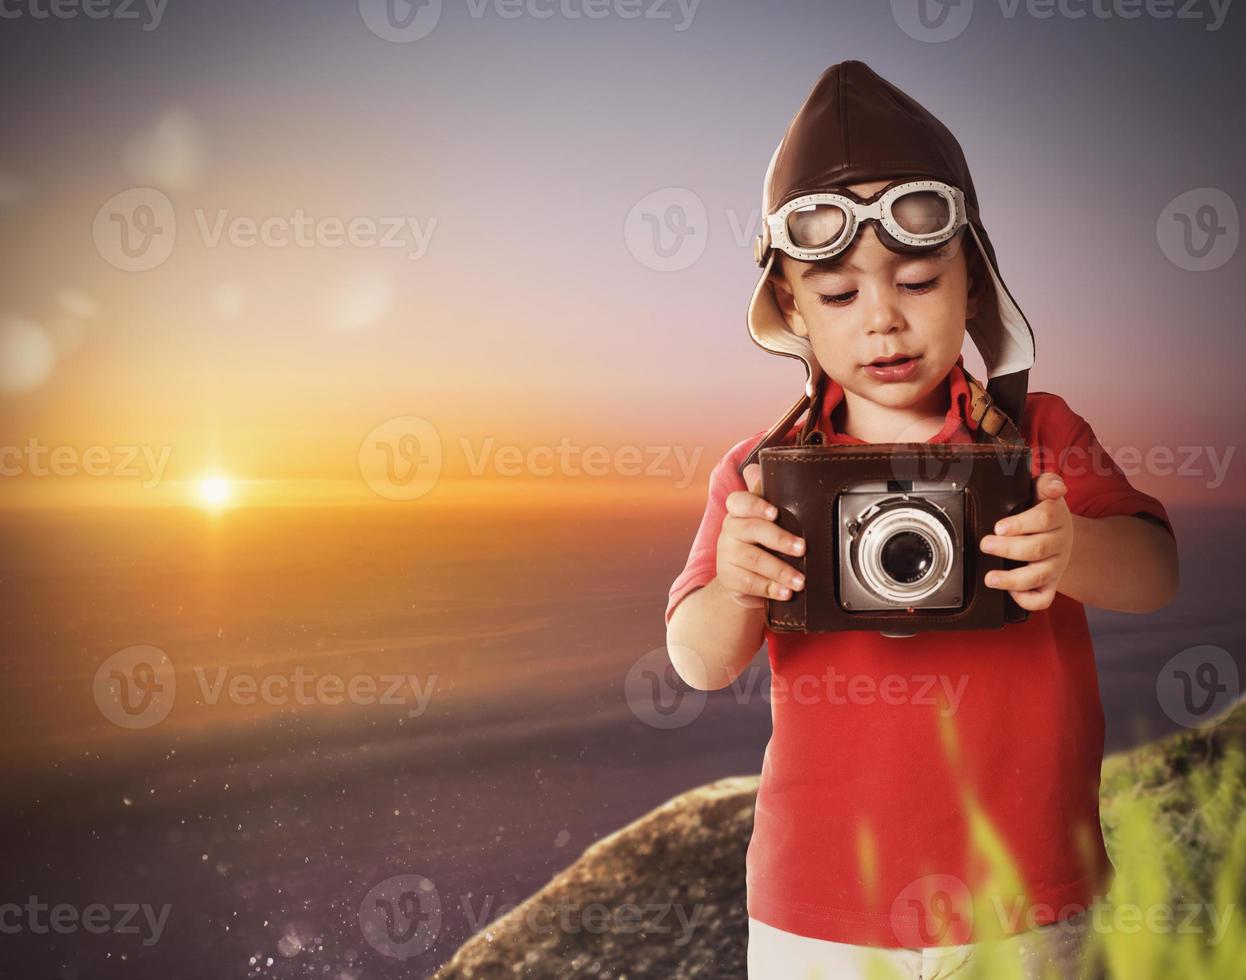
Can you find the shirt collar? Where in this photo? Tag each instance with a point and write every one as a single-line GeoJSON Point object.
{"type": "Point", "coordinates": [957, 425]}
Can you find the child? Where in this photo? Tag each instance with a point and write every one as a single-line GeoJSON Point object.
{"type": "Point", "coordinates": [895, 763]}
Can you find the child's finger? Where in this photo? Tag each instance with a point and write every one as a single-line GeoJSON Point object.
{"type": "Point", "coordinates": [756, 559]}
{"type": "Point", "coordinates": [1045, 516]}
{"type": "Point", "coordinates": [754, 531]}
{"type": "Point", "coordinates": [1035, 575]}
{"type": "Point", "coordinates": [752, 478]}
{"type": "Point", "coordinates": [1050, 486]}
{"type": "Point", "coordinates": [1022, 547]}
{"type": "Point", "coordinates": [742, 503]}
{"type": "Point", "coordinates": [1035, 600]}
{"type": "Point", "coordinates": [745, 581]}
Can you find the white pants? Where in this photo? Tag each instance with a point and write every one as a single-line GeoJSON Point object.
{"type": "Point", "coordinates": [1053, 952]}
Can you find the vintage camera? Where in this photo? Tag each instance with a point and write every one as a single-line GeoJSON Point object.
{"type": "Point", "coordinates": [892, 534]}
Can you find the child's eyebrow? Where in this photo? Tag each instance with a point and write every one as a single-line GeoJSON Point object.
{"type": "Point", "coordinates": [828, 266]}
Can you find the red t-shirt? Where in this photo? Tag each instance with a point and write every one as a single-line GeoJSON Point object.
{"type": "Point", "coordinates": [890, 757]}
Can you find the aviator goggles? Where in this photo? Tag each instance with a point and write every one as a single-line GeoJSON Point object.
{"type": "Point", "coordinates": [910, 215]}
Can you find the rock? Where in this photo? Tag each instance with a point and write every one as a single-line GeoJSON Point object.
{"type": "Point", "coordinates": [663, 897]}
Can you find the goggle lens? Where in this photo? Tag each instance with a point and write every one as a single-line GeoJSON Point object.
{"type": "Point", "coordinates": [922, 212]}
{"type": "Point", "coordinates": [816, 225]}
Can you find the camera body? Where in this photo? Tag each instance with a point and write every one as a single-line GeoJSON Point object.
{"type": "Point", "coordinates": [892, 534]}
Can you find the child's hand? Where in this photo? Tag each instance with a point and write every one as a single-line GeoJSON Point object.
{"type": "Point", "coordinates": [748, 572]}
{"type": "Point", "coordinates": [1042, 536]}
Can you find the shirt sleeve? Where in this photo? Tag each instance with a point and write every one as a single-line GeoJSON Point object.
{"type": "Point", "coordinates": [702, 562]}
{"type": "Point", "coordinates": [1096, 485]}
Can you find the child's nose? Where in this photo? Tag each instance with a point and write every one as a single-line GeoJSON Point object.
{"type": "Point", "coordinates": [882, 316]}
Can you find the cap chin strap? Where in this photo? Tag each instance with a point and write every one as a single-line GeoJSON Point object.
{"type": "Point", "coordinates": [1008, 349]}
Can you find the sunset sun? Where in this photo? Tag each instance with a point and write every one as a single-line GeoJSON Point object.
{"type": "Point", "coordinates": [215, 492]}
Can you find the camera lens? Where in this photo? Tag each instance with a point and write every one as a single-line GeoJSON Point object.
{"type": "Point", "coordinates": [907, 557]}
{"type": "Point", "coordinates": [901, 549]}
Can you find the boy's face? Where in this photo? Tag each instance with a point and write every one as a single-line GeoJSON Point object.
{"type": "Point", "coordinates": [870, 302]}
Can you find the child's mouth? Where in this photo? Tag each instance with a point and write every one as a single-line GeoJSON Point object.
{"type": "Point", "coordinates": [897, 369]}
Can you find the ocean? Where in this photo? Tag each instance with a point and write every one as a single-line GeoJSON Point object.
{"type": "Point", "coordinates": [337, 701]}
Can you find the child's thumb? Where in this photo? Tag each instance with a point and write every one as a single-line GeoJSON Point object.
{"type": "Point", "coordinates": [1051, 486]}
{"type": "Point", "coordinates": [752, 477]}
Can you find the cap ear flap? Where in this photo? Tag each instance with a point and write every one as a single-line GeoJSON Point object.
{"type": "Point", "coordinates": [784, 300]}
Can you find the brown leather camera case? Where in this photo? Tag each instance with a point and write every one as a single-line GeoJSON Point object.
{"type": "Point", "coordinates": [803, 482]}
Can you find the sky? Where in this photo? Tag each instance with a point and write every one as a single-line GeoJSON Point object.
{"type": "Point", "coordinates": [550, 209]}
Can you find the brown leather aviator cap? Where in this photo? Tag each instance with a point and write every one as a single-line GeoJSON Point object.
{"type": "Point", "coordinates": [855, 127]}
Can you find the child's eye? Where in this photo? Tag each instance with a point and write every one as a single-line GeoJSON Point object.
{"type": "Point", "coordinates": [913, 288]}
{"type": "Point", "coordinates": [920, 287]}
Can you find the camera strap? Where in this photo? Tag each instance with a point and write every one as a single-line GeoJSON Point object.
{"type": "Point", "coordinates": [991, 423]}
